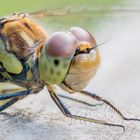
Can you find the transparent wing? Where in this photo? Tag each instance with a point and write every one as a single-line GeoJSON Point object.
{"type": "Point", "coordinates": [88, 17]}
{"type": "Point", "coordinates": [63, 19]}
{"type": "Point", "coordinates": [85, 9]}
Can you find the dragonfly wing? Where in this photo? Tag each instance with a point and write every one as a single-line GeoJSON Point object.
{"type": "Point", "coordinates": [64, 11]}
{"type": "Point", "coordinates": [83, 9]}
{"type": "Point", "coordinates": [44, 13]}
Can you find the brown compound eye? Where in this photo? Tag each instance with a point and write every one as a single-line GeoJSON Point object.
{"type": "Point", "coordinates": [83, 35]}
{"type": "Point", "coordinates": [60, 44]}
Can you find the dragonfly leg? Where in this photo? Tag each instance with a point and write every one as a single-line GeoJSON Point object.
{"type": "Point", "coordinates": [67, 113]}
{"type": "Point", "coordinates": [79, 101]}
{"type": "Point", "coordinates": [16, 94]}
{"type": "Point", "coordinates": [98, 98]}
{"type": "Point", "coordinates": [7, 99]}
{"type": "Point", "coordinates": [8, 103]}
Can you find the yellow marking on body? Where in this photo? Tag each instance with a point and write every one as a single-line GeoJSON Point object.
{"type": "Point", "coordinates": [84, 46]}
{"type": "Point", "coordinates": [9, 61]}
{"type": "Point", "coordinates": [29, 75]}
{"type": "Point", "coordinates": [27, 38]}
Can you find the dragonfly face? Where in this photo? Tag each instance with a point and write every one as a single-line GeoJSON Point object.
{"type": "Point", "coordinates": [69, 58]}
{"type": "Point", "coordinates": [84, 63]}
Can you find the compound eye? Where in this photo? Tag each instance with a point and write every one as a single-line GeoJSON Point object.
{"type": "Point", "coordinates": [60, 44]}
{"type": "Point", "coordinates": [83, 35]}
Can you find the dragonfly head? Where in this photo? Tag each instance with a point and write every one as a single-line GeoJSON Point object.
{"type": "Point", "coordinates": [84, 63]}
{"type": "Point", "coordinates": [56, 56]}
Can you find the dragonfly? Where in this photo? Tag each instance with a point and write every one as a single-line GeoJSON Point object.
{"type": "Point", "coordinates": [32, 59]}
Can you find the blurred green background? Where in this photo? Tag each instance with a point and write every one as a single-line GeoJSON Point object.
{"type": "Point", "coordinates": [88, 18]}
{"type": "Point", "coordinates": [8, 6]}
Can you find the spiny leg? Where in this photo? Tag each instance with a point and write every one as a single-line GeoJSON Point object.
{"type": "Point", "coordinates": [79, 101]}
{"type": "Point", "coordinates": [98, 98]}
{"type": "Point", "coordinates": [67, 113]}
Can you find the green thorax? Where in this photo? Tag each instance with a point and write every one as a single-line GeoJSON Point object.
{"type": "Point", "coordinates": [9, 61]}
{"type": "Point", "coordinates": [13, 69]}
